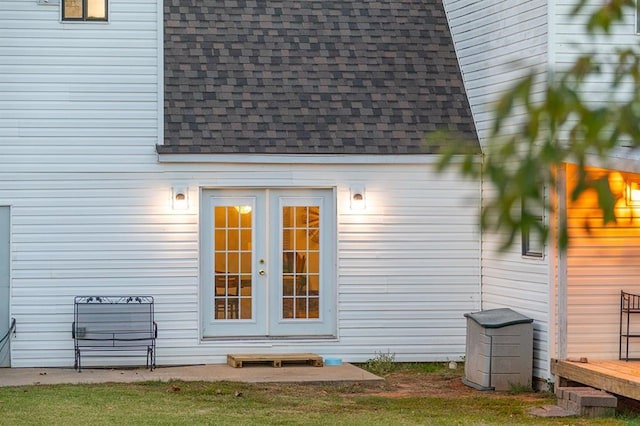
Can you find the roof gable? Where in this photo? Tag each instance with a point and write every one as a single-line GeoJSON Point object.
{"type": "Point", "coordinates": [317, 76]}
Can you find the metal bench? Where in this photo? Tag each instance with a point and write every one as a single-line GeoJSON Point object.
{"type": "Point", "coordinates": [123, 323]}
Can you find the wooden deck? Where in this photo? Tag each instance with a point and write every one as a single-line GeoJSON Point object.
{"type": "Point", "coordinates": [617, 377]}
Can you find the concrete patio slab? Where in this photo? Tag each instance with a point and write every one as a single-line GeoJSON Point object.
{"type": "Point", "coordinates": [345, 373]}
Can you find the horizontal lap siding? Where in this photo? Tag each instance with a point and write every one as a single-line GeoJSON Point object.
{"type": "Point", "coordinates": [91, 212]}
{"type": "Point", "coordinates": [78, 126]}
{"type": "Point", "coordinates": [408, 266]}
{"type": "Point", "coordinates": [601, 263]}
{"type": "Point", "coordinates": [572, 41]}
{"type": "Point", "coordinates": [417, 274]}
{"type": "Point", "coordinates": [497, 43]}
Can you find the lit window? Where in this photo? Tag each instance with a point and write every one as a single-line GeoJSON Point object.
{"type": "Point", "coordinates": [84, 10]}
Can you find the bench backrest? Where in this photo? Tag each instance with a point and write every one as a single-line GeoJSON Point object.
{"type": "Point", "coordinates": [629, 301]}
{"type": "Point", "coordinates": [107, 319]}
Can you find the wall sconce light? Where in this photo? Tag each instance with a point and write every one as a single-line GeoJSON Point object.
{"type": "Point", "coordinates": [180, 198]}
{"type": "Point", "coordinates": [358, 198]}
{"type": "Point", "coordinates": [632, 193]}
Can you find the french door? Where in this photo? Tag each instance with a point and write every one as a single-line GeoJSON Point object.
{"type": "Point", "coordinates": [268, 262]}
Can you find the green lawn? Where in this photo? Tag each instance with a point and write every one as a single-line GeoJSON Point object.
{"type": "Point", "coordinates": [180, 403]}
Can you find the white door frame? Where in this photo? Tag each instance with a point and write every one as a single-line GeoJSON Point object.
{"type": "Point", "coordinates": [233, 327]}
{"type": "Point", "coordinates": [324, 325]}
{"type": "Point", "coordinates": [267, 259]}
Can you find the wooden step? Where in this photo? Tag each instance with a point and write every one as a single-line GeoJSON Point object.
{"type": "Point", "coordinates": [276, 360]}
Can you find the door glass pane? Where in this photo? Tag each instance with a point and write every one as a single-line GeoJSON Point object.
{"type": "Point", "coordinates": [300, 262]}
{"type": "Point", "coordinates": [233, 266]}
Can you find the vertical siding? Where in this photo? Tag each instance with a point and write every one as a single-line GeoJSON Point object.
{"type": "Point", "coordinates": [91, 209]}
{"type": "Point", "coordinates": [497, 43]}
{"type": "Point", "coordinates": [601, 262]}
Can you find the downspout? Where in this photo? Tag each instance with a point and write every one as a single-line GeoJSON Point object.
{"type": "Point", "coordinates": [7, 337]}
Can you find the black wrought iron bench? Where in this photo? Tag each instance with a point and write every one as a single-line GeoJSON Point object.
{"type": "Point", "coordinates": [629, 305]}
{"type": "Point", "coordinates": [105, 323]}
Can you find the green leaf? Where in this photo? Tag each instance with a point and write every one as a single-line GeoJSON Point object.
{"type": "Point", "coordinates": [606, 199]}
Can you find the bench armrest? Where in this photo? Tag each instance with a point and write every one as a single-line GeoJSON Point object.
{"type": "Point", "coordinates": [73, 330]}
{"type": "Point", "coordinates": [155, 330]}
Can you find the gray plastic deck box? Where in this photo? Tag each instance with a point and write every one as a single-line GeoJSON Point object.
{"type": "Point", "coordinates": [499, 350]}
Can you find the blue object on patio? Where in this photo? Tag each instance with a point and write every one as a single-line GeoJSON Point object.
{"type": "Point", "coordinates": [332, 361]}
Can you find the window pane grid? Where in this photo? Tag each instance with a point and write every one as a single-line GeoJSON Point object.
{"type": "Point", "coordinates": [232, 260]}
{"type": "Point", "coordinates": [300, 262]}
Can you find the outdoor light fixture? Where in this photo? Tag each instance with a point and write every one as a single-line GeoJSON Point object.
{"type": "Point", "coordinates": [632, 193]}
{"type": "Point", "coordinates": [180, 198]}
{"type": "Point", "coordinates": [358, 201]}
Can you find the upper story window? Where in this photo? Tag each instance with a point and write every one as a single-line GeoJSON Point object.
{"type": "Point", "coordinates": [84, 10]}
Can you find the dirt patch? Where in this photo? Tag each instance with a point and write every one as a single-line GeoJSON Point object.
{"type": "Point", "coordinates": [409, 383]}
{"type": "Point", "coordinates": [406, 383]}
{"type": "Point", "coordinates": [412, 383]}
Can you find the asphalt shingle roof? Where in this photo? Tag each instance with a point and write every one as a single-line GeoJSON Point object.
{"type": "Point", "coordinates": [312, 76]}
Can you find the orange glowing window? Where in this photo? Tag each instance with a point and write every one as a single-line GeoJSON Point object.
{"type": "Point", "coordinates": [84, 10]}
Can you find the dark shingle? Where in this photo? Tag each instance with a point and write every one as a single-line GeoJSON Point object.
{"type": "Point", "coordinates": [313, 76]}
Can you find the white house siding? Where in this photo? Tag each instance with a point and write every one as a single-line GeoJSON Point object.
{"type": "Point", "coordinates": [90, 206]}
{"type": "Point", "coordinates": [408, 267]}
{"type": "Point", "coordinates": [572, 42]}
{"type": "Point", "coordinates": [601, 263]}
{"type": "Point", "coordinates": [571, 39]}
{"type": "Point", "coordinates": [497, 43]}
{"type": "Point", "coordinates": [78, 124]}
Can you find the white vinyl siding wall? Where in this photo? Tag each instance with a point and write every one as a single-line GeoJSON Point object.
{"type": "Point", "coordinates": [78, 125]}
{"type": "Point", "coordinates": [602, 262]}
{"type": "Point", "coordinates": [572, 42]}
{"type": "Point", "coordinates": [408, 266]}
{"type": "Point", "coordinates": [497, 43]}
{"type": "Point", "coordinates": [91, 210]}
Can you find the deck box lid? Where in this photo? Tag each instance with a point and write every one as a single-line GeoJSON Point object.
{"type": "Point", "coordinates": [497, 318]}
